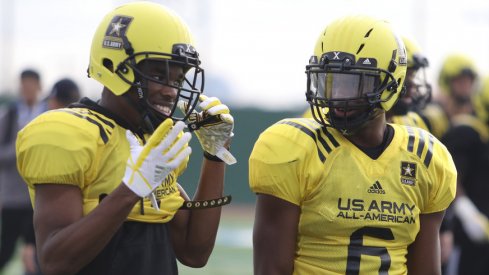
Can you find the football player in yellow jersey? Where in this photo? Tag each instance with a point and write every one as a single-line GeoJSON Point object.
{"type": "Point", "coordinates": [102, 175]}
{"type": "Point", "coordinates": [468, 142]}
{"type": "Point", "coordinates": [345, 192]}
{"type": "Point", "coordinates": [417, 93]}
{"type": "Point", "coordinates": [457, 82]}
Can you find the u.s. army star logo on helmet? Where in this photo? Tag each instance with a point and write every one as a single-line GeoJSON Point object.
{"type": "Point", "coordinates": [408, 173]}
{"type": "Point", "coordinates": [116, 29]}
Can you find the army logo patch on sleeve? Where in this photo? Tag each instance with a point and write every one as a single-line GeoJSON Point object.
{"type": "Point", "coordinates": [408, 173]}
{"type": "Point", "coordinates": [115, 31]}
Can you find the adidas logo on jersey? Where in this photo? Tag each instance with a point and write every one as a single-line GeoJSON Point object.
{"type": "Point", "coordinates": [376, 188]}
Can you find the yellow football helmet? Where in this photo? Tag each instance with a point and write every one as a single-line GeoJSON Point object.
{"type": "Point", "coordinates": [142, 31]}
{"type": "Point", "coordinates": [455, 65]}
{"type": "Point", "coordinates": [358, 68]}
{"type": "Point", "coordinates": [418, 89]}
{"type": "Point", "coordinates": [481, 100]}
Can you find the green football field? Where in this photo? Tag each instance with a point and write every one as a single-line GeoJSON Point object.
{"type": "Point", "coordinates": [232, 253]}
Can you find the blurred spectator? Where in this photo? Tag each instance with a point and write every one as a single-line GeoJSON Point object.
{"type": "Point", "coordinates": [63, 93]}
{"type": "Point", "coordinates": [16, 209]}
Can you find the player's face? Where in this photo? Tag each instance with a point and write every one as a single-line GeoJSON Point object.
{"type": "Point", "coordinates": [29, 89]}
{"type": "Point", "coordinates": [411, 84]}
{"type": "Point", "coordinates": [462, 86]}
{"type": "Point", "coordinates": [162, 83]}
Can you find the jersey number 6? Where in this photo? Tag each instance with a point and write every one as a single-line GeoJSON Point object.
{"type": "Point", "coordinates": [356, 249]}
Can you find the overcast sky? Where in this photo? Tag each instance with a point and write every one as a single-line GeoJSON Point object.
{"type": "Point", "coordinates": [254, 51]}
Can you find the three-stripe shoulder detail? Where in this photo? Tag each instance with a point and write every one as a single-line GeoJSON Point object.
{"type": "Point", "coordinates": [324, 140]}
{"type": "Point", "coordinates": [105, 126]}
{"type": "Point", "coordinates": [421, 143]}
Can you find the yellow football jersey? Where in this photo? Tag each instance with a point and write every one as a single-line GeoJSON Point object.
{"type": "Point", "coordinates": [438, 119]}
{"type": "Point", "coordinates": [307, 113]}
{"type": "Point", "coordinates": [473, 122]}
{"type": "Point", "coordinates": [79, 146]}
{"type": "Point", "coordinates": [411, 119]}
{"type": "Point", "coordinates": [358, 215]}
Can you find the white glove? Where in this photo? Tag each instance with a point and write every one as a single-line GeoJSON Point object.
{"type": "Point", "coordinates": [149, 165]}
{"type": "Point", "coordinates": [475, 224]}
{"type": "Point", "coordinates": [216, 127]}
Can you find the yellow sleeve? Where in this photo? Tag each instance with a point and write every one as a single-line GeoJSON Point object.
{"type": "Point", "coordinates": [276, 165]}
{"type": "Point", "coordinates": [51, 149]}
{"type": "Point", "coordinates": [444, 183]}
{"type": "Point", "coordinates": [437, 119]}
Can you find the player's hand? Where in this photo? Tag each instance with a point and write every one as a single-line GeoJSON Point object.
{"type": "Point", "coordinates": [214, 127]}
{"type": "Point", "coordinates": [148, 165]}
{"type": "Point", "coordinates": [475, 224]}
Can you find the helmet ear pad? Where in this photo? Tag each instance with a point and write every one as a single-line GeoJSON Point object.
{"type": "Point", "coordinates": [107, 63]}
{"type": "Point", "coordinates": [392, 66]}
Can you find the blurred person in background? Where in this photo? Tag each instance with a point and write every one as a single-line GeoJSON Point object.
{"type": "Point", "coordinates": [16, 208]}
{"type": "Point", "coordinates": [63, 93]}
{"type": "Point", "coordinates": [417, 91]}
{"type": "Point", "coordinates": [468, 142]}
{"type": "Point", "coordinates": [103, 175]}
{"type": "Point", "coordinates": [320, 200]}
{"type": "Point", "coordinates": [408, 111]}
{"type": "Point", "coordinates": [457, 82]}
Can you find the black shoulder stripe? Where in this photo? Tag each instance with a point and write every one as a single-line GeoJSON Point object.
{"type": "Point", "coordinates": [103, 134]}
{"type": "Point", "coordinates": [105, 121]}
{"type": "Point", "coordinates": [322, 138]}
{"type": "Point", "coordinates": [411, 139]}
{"type": "Point", "coordinates": [429, 154]}
{"type": "Point", "coordinates": [323, 142]}
{"type": "Point", "coordinates": [421, 143]}
{"type": "Point", "coordinates": [330, 137]}
{"type": "Point", "coordinates": [307, 132]}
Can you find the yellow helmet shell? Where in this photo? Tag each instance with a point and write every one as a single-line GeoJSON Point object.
{"type": "Point", "coordinates": [368, 38]}
{"type": "Point", "coordinates": [415, 57]}
{"type": "Point", "coordinates": [455, 65]}
{"type": "Point", "coordinates": [148, 27]}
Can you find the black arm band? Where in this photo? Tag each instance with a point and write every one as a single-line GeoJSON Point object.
{"type": "Point", "coordinates": [191, 205]}
{"type": "Point", "coordinates": [212, 157]}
